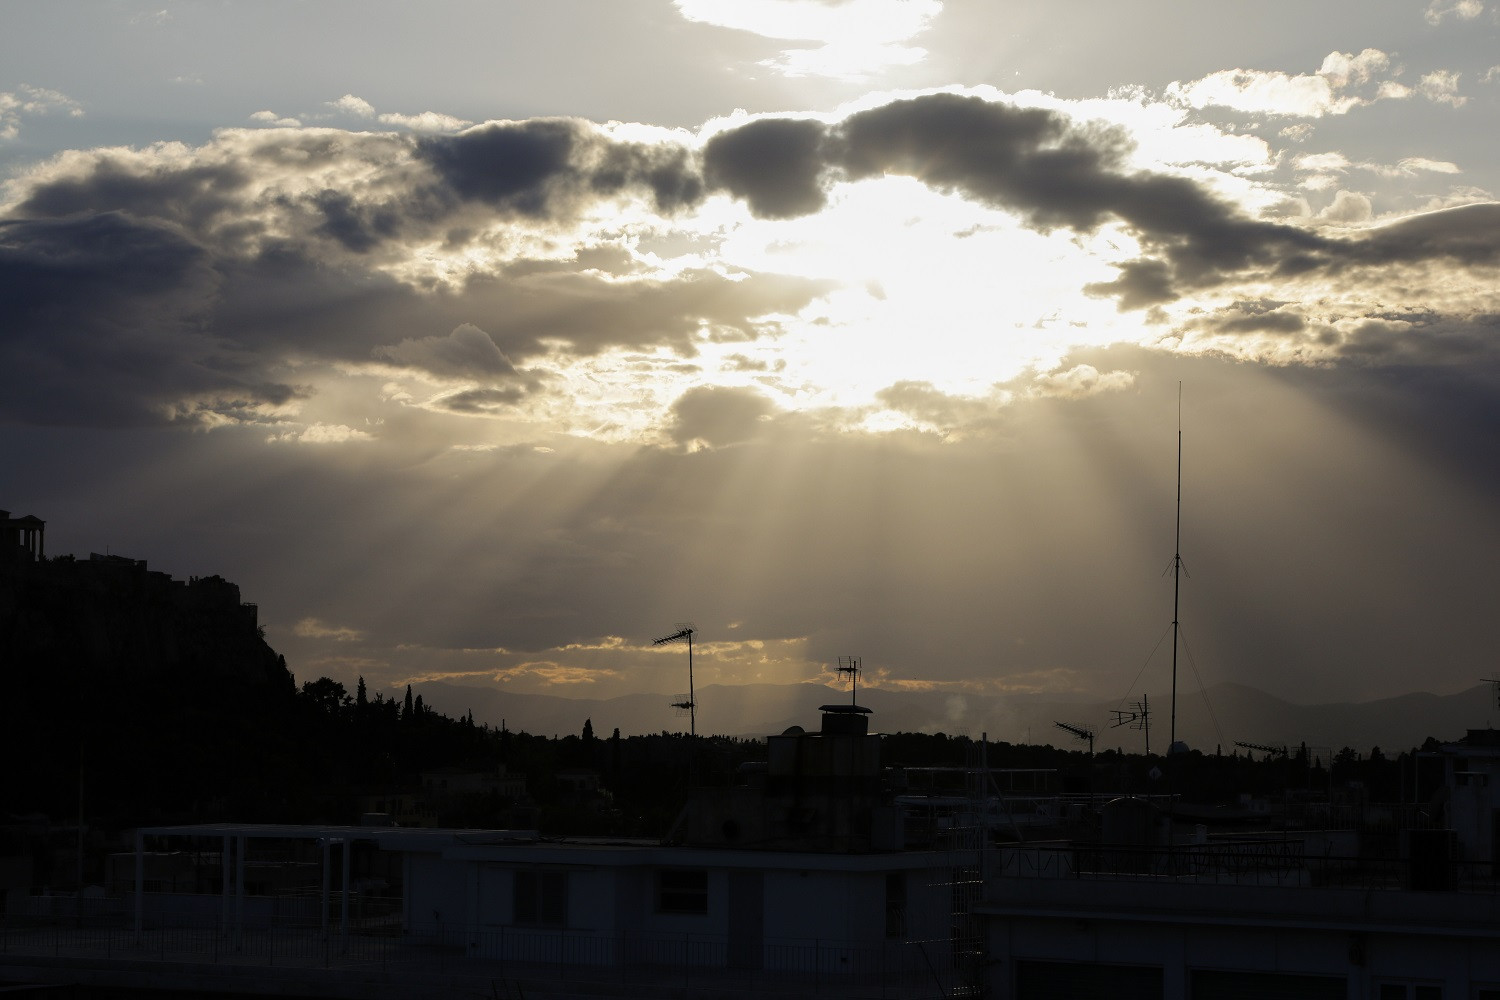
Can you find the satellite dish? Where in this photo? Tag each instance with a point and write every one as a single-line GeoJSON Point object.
{"type": "Point", "coordinates": [1178, 747]}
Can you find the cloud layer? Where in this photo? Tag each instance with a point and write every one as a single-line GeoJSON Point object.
{"type": "Point", "coordinates": [176, 283]}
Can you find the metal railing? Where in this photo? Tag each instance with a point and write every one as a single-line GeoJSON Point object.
{"type": "Point", "coordinates": [541, 960]}
{"type": "Point", "coordinates": [1267, 861]}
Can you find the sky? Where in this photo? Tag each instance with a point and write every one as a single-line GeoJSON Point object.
{"type": "Point", "coordinates": [487, 342]}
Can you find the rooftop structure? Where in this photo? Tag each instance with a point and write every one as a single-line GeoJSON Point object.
{"type": "Point", "coordinates": [22, 538]}
{"type": "Point", "coordinates": [1401, 907]}
{"type": "Point", "coordinates": [812, 894]}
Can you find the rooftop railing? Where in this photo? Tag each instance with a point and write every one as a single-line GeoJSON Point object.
{"type": "Point", "coordinates": [1262, 861]}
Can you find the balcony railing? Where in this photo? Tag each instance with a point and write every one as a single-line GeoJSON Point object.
{"type": "Point", "coordinates": [525, 961]}
{"type": "Point", "coordinates": [1267, 861]}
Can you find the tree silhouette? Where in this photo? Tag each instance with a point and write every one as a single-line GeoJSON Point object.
{"type": "Point", "coordinates": [327, 695]}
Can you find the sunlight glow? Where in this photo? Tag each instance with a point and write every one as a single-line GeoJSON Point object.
{"type": "Point", "coordinates": [990, 299]}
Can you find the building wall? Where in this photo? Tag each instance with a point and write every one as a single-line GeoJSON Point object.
{"type": "Point", "coordinates": [929, 904]}
{"type": "Point", "coordinates": [753, 917]}
{"type": "Point", "coordinates": [437, 892]}
{"type": "Point", "coordinates": [814, 905]}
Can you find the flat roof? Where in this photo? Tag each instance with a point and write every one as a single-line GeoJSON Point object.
{"type": "Point", "coordinates": [528, 847]}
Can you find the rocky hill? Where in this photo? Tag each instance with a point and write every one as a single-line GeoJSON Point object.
{"type": "Point", "coordinates": [141, 693]}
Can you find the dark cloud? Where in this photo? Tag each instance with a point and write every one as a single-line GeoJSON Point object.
{"type": "Point", "coordinates": [668, 172]}
{"type": "Point", "coordinates": [359, 228]}
{"type": "Point", "coordinates": [75, 262]}
{"type": "Point", "coordinates": [482, 401]}
{"type": "Point", "coordinates": [1140, 283]}
{"type": "Point", "coordinates": [776, 165]}
{"type": "Point", "coordinates": [103, 319]}
{"type": "Point", "coordinates": [1020, 158]}
{"type": "Point", "coordinates": [509, 165]}
{"type": "Point", "coordinates": [1469, 235]}
{"type": "Point", "coordinates": [544, 167]}
{"type": "Point", "coordinates": [1248, 317]}
{"type": "Point", "coordinates": [192, 195]}
{"type": "Point", "coordinates": [718, 415]}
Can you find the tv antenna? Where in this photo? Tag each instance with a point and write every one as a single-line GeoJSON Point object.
{"type": "Point", "coordinates": [1081, 732]}
{"type": "Point", "coordinates": [852, 665]}
{"type": "Point", "coordinates": [1136, 718]}
{"type": "Point", "coordinates": [1267, 748]}
{"type": "Point", "coordinates": [1494, 683]}
{"type": "Point", "coordinates": [685, 631]}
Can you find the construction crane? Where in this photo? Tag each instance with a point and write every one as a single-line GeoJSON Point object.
{"type": "Point", "coordinates": [1082, 732]}
{"type": "Point", "coordinates": [691, 706]}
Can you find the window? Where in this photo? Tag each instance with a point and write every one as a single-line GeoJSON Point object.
{"type": "Point", "coordinates": [541, 897]}
{"type": "Point", "coordinates": [1214, 984]}
{"type": "Point", "coordinates": [1088, 981]}
{"type": "Point", "coordinates": [895, 904]}
{"type": "Point", "coordinates": [681, 891]}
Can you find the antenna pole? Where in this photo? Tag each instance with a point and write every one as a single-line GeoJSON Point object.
{"type": "Point", "coordinates": [685, 632]}
{"type": "Point", "coordinates": [851, 665]}
{"type": "Point", "coordinates": [1176, 573]}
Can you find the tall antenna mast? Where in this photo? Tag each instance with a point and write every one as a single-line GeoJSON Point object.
{"type": "Point", "coordinates": [1176, 575]}
{"type": "Point", "coordinates": [685, 632]}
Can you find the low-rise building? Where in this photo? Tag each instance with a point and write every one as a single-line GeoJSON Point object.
{"type": "Point", "coordinates": [1153, 909]}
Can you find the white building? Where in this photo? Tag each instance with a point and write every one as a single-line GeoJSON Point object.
{"type": "Point", "coordinates": [802, 871]}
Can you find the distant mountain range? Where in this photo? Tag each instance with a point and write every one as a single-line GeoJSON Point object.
{"type": "Point", "coordinates": [1205, 720]}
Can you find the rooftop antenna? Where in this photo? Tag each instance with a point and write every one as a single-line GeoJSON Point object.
{"type": "Point", "coordinates": [1494, 683]}
{"type": "Point", "coordinates": [1267, 748]}
{"type": "Point", "coordinates": [1136, 718]}
{"type": "Point", "coordinates": [1172, 746]}
{"type": "Point", "coordinates": [1082, 732]}
{"type": "Point", "coordinates": [851, 665]}
{"type": "Point", "coordinates": [685, 631]}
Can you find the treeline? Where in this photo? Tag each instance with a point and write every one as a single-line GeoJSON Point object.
{"type": "Point", "coordinates": [133, 699]}
{"type": "Point", "coordinates": [1411, 776]}
{"type": "Point", "coordinates": [366, 747]}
